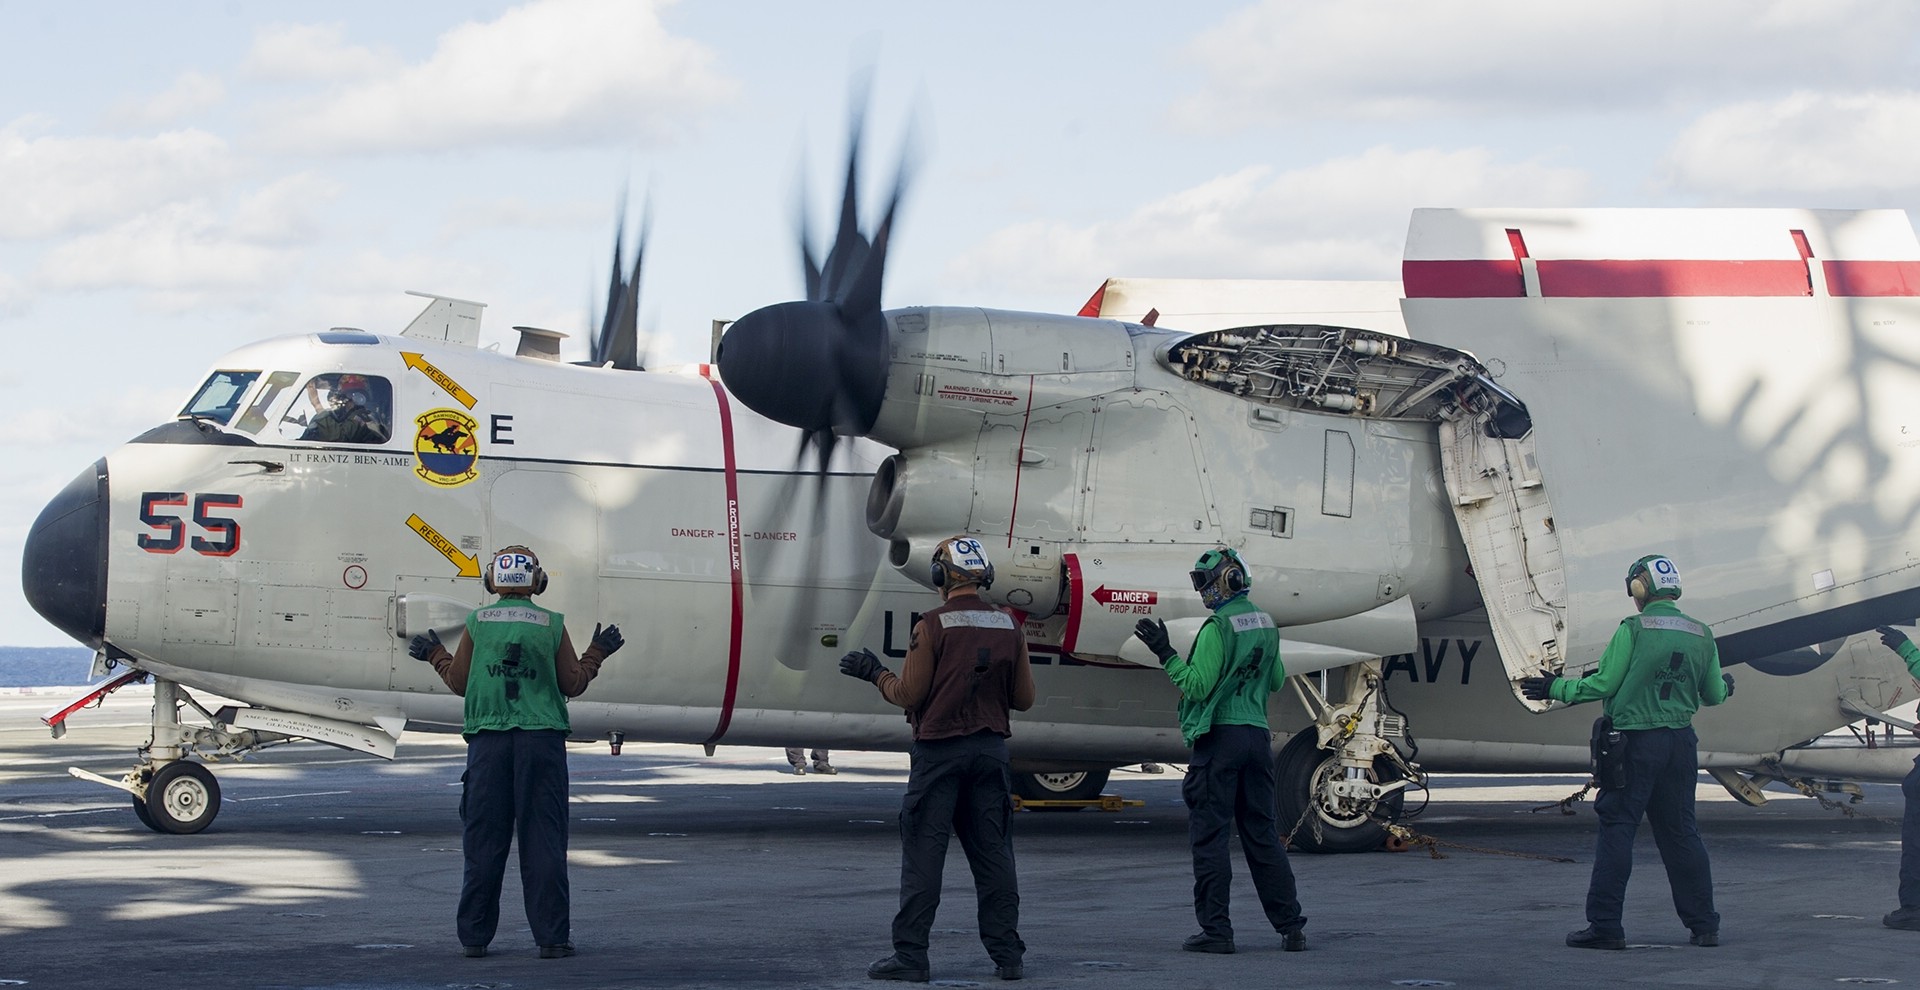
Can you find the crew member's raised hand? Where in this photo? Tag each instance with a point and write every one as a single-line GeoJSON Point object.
{"type": "Point", "coordinates": [423, 646]}
{"type": "Point", "coordinates": [1538, 688]}
{"type": "Point", "coordinates": [608, 640]}
{"type": "Point", "coordinates": [1153, 632]}
{"type": "Point", "coordinates": [862, 664]}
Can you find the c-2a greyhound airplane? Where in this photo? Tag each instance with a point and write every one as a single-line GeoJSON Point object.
{"type": "Point", "coordinates": [1438, 486]}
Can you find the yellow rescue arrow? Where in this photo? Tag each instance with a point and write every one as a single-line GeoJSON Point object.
{"type": "Point", "coordinates": [418, 362]}
{"type": "Point", "coordinates": [469, 565]}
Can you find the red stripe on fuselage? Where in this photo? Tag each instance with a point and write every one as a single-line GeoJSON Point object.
{"type": "Point", "coordinates": [1655, 279]}
{"type": "Point", "coordinates": [1020, 461]}
{"type": "Point", "coordinates": [1071, 637]}
{"type": "Point", "coordinates": [733, 560]}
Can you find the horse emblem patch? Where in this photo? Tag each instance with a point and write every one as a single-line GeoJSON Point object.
{"type": "Point", "coordinates": [446, 451]}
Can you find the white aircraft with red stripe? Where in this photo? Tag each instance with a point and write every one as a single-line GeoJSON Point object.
{"type": "Point", "coordinates": [1437, 492]}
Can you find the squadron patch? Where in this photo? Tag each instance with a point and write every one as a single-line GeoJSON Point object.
{"type": "Point", "coordinates": [446, 451]}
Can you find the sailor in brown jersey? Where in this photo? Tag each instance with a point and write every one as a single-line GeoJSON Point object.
{"type": "Point", "coordinates": [966, 669]}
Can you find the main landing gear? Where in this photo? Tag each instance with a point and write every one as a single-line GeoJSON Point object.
{"type": "Point", "coordinates": [1340, 784]}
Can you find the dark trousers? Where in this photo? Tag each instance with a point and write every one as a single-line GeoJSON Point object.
{"type": "Point", "coordinates": [1910, 841]}
{"type": "Point", "coordinates": [516, 781]}
{"type": "Point", "coordinates": [1230, 782]}
{"type": "Point", "coordinates": [1662, 769]}
{"type": "Point", "coordinates": [958, 787]}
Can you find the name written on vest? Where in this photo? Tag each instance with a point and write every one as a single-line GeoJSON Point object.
{"type": "Point", "coordinates": [977, 619]}
{"type": "Point", "coordinates": [1672, 623]}
{"type": "Point", "coordinates": [1249, 621]}
{"type": "Point", "coordinates": [512, 614]}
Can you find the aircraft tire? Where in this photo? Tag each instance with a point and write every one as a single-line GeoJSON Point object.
{"type": "Point", "coordinates": [182, 798]}
{"type": "Point", "coordinates": [1075, 785]}
{"type": "Point", "coordinates": [140, 812]}
{"type": "Point", "coordinates": [1299, 769]}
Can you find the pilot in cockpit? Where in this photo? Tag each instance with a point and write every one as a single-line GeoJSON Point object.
{"type": "Point", "coordinates": [346, 410]}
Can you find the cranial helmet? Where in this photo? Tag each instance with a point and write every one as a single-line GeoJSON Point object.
{"type": "Point", "coordinates": [354, 389]}
{"type": "Point", "coordinates": [515, 570]}
{"type": "Point", "coordinates": [1218, 576]}
{"type": "Point", "coordinates": [1653, 576]}
{"type": "Point", "coordinates": [960, 560]}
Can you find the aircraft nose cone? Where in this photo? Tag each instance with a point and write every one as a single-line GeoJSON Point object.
{"type": "Point", "coordinates": [64, 568]}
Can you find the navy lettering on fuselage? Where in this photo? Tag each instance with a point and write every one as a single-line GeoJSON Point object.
{"type": "Point", "coordinates": [1433, 658]}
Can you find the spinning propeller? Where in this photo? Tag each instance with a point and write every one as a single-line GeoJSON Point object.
{"type": "Point", "coordinates": [820, 364]}
{"type": "Point", "coordinates": [618, 339]}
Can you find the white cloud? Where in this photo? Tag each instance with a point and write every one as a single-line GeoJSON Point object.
{"type": "Point", "coordinates": [190, 93]}
{"type": "Point", "coordinates": [1343, 218]}
{"type": "Point", "coordinates": [284, 212]}
{"type": "Point", "coordinates": [108, 418]}
{"type": "Point", "coordinates": [551, 72]}
{"type": "Point", "coordinates": [517, 213]}
{"type": "Point", "coordinates": [13, 300]}
{"type": "Point", "coordinates": [179, 247]}
{"type": "Point", "coordinates": [1857, 149]}
{"type": "Point", "coordinates": [57, 185]}
{"type": "Point", "coordinates": [187, 253]}
{"type": "Point", "coordinates": [302, 52]}
{"type": "Point", "coordinates": [1282, 59]}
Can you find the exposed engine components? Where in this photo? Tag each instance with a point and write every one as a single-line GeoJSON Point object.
{"type": "Point", "coordinates": [1341, 369]}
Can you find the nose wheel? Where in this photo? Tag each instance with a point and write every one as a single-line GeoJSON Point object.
{"type": "Point", "coordinates": [181, 799]}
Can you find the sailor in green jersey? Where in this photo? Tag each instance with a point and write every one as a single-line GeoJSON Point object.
{"type": "Point", "coordinates": [1224, 681]}
{"type": "Point", "coordinates": [1659, 668]}
{"type": "Point", "coordinates": [1907, 915]}
{"type": "Point", "coordinates": [516, 667]}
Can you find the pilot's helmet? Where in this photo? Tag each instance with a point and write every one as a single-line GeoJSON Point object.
{"type": "Point", "coordinates": [1653, 576]}
{"type": "Point", "coordinates": [353, 390]}
{"type": "Point", "coordinates": [961, 560]}
{"type": "Point", "coordinates": [1219, 575]}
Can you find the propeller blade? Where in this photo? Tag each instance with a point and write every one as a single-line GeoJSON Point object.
{"type": "Point", "coordinates": [618, 339]}
{"type": "Point", "coordinates": [820, 364]}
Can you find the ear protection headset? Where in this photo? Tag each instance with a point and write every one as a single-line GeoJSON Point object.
{"type": "Point", "coordinates": [1218, 575]}
{"type": "Point", "coordinates": [516, 569]}
{"type": "Point", "coordinates": [960, 560]}
{"type": "Point", "coordinates": [1651, 576]}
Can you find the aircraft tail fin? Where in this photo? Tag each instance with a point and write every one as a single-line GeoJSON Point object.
{"type": "Point", "coordinates": [456, 321]}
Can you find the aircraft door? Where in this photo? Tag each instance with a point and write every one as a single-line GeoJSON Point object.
{"type": "Point", "coordinates": [1506, 520]}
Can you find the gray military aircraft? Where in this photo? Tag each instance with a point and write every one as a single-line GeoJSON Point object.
{"type": "Point", "coordinates": [1438, 486]}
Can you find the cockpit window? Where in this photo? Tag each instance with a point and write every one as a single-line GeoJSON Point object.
{"type": "Point", "coordinates": [341, 407]}
{"type": "Point", "coordinates": [219, 398]}
{"type": "Point", "coordinates": [255, 418]}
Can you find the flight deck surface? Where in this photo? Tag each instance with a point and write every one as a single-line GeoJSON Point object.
{"type": "Point", "coordinates": [327, 869]}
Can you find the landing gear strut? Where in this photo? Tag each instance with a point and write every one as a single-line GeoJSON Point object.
{"type": "Point", "coordinates": [171, 793]}
{"type": "Point", "coordinates": [1339, 782]}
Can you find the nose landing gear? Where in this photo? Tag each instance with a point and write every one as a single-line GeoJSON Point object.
{"type": "Point", "coordinates": [171, 793]}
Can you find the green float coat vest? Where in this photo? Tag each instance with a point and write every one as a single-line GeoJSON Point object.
{"type": "Point", "coordinates": [1659, 668]}
{"type": "Point", "coordinates": [512, 683]}
{"type": "Point", "coordinates": [1239, 693]}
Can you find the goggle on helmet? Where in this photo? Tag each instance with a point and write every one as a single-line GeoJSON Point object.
{"type": "Point", "coordinates": [1219, 575]}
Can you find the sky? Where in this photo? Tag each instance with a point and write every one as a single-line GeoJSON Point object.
{"type": "Point", "coordinates": [179, 179]}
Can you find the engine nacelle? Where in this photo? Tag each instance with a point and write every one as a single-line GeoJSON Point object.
{"type": "Point", "coordinates": [953, 367]}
